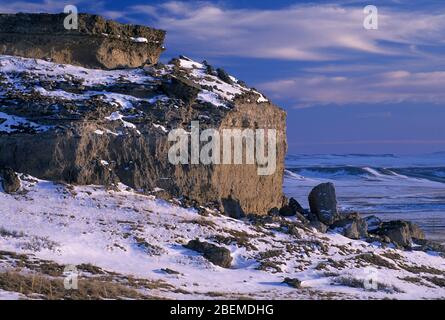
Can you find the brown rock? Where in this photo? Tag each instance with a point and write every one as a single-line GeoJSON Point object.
{"type": "Point", "coordinates": [97, 43]}
{"type": "Point", "coordinates": [397, 231]}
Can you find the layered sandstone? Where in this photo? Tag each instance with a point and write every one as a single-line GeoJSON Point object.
{"type": "Point", "coordinates": [96, 43]}
{"type": "Point", "coordinates": [84, 126]}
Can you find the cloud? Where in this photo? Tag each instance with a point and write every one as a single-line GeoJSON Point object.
{"type": "Point", "coordinates": [348, 64]}
{"type": "Point", "coordinates": [48, 6]}
{"type": "Point", "coordinates": [383, 87]}
{"type": "Point", "coordinates": [299, 32]}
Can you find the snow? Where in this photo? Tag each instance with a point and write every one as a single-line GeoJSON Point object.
{"type": "Point", "coordinates": [7, 123]}
{"type": "Point", "coordinates": [216, 92]}
{"type": "Point", "coordinates": [99, 132]}
{"type": "Point", "coordinates": [53, 71]}
{"type": "Point", "coordinates": [139, 39]}
{"type": "Point", "coordinates": [161, 127]}
{"type": "Point", "coordinates": [117, 116]}
{"type": "Point", "coordinates": [5, 295]}
{"type": "Point", "coordinates": [221, 91]}
{"type": "Point", "coordinates": [88, 224]}
{"type": "Point", "coordinates": [211, 97]}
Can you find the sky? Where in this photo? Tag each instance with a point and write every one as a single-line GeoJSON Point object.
{"type": "Point", "coordinates": [346, 89]}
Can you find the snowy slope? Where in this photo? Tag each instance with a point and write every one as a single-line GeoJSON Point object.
{"type": "Point", "coordinates": [138, 235]}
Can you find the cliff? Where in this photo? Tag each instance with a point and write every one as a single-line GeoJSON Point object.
{"type": "Point", "coordinates": [96, 43]}
{"type": "Point", "coordinates": [65, 123]}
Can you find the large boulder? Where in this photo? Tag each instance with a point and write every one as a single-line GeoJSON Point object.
{"type": "Point", "coordinates": [10, 180]}
{"type": "Point", "coordinates": [217, 255]}
{"type": "Point", "coordinates": [351, 226]}
{"type": "Point", "coordinates": [401, 233]}
{"type": "Point", "coordinates": [323, 203]}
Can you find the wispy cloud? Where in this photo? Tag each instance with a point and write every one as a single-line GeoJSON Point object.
{"type": "Point", "coordinates": [300, 32]}
{"type": "Point", "coordinates": [402, 61]}
{"type": "Point", "coordinates": [48, 6]}
{"type": "Point", "coordinates": [385, 87]}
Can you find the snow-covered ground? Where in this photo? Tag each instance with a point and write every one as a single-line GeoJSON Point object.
{"type": "Point", "coordinates": [130, 235]}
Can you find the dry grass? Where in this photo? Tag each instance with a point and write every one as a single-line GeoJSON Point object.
{"type": "Point", "coordinates": [37, 286]}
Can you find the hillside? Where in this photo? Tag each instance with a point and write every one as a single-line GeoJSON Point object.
{"type": "Point", "coordinates": [134, 243]}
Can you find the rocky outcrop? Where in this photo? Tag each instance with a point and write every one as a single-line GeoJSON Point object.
{"type": "Point", "coordinates": [83, 126]}
{"type": "Point", "coordinates": [217, 255]}
{"type": "Point", "coordinates": [97, 43]}
{"type": "Point", "coordinates": [401, 233]}
{"type": "Point", "coordinates": [10, 180]}
{"type": "Point", "coordinates": [324, 216]}
{"type": "Point", "coordinates": [292, 208]}
{"type": "Point", "coordinates": [323, 203]}
{"type": "Point", "coordinates": [352, 226]}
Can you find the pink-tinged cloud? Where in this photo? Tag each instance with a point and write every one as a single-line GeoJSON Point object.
{"type": "Point", "coordinates": [299, 32]}
{"type": "Point", "coordinates": [382, 87]}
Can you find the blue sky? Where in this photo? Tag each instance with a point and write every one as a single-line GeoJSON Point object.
{"type": "Point", "coordinates": [346, 89]}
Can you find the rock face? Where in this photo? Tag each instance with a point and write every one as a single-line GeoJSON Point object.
{"type": "Point", "coordinates": [10, 180]}
{"type": "Point", "coordinates": [97, 43]}
{"type": "Point", "coordinates": [82, 126]}
{"type": "Point", "coordinates": [216, 255]}
{"type": "Point", "coordinates": [323, 203]}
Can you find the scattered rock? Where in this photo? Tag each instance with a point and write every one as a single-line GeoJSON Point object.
{"type": "Point", "coordinates": [319, 226]}
{"type": "Point", "coordinates": [352, 226]}
{"type": "Point", "coordinates": [182, 88]}
{"type": "Point", "coordinates": [287, 211]}
{"type": "Point", "coordinates": [397, 231]}
{"type": "Point", "coordinates": [373, 223]}
{"type": "Point", "coordinates": [224, 76]}
{"type": "Point", "coordinates": [323, 203]}
{"type": "Point", "coordinates": [216, 255]}
{"type": "Point", "coordinates": [170, 271]}
{"type": "Point", "coordinates": [11, 181]}
{"type": "Point", "coordinates": [292, 282]}
{"type": "Point", "coordinates": [428, 245]}
{"type": "Point", "coordinates": [292, 208]}
{"type": "Point", "coordinates": [295, 205]}
{"type": "Point", "coordinates": [416, 232]}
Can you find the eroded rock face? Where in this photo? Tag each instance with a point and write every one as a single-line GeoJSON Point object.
{"type": "Point", "coordinates": [97, 43]}
{"type": "Point", "coordinates": [82, 126]}
{"type": "Point", "coordinates": [323, 203]}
